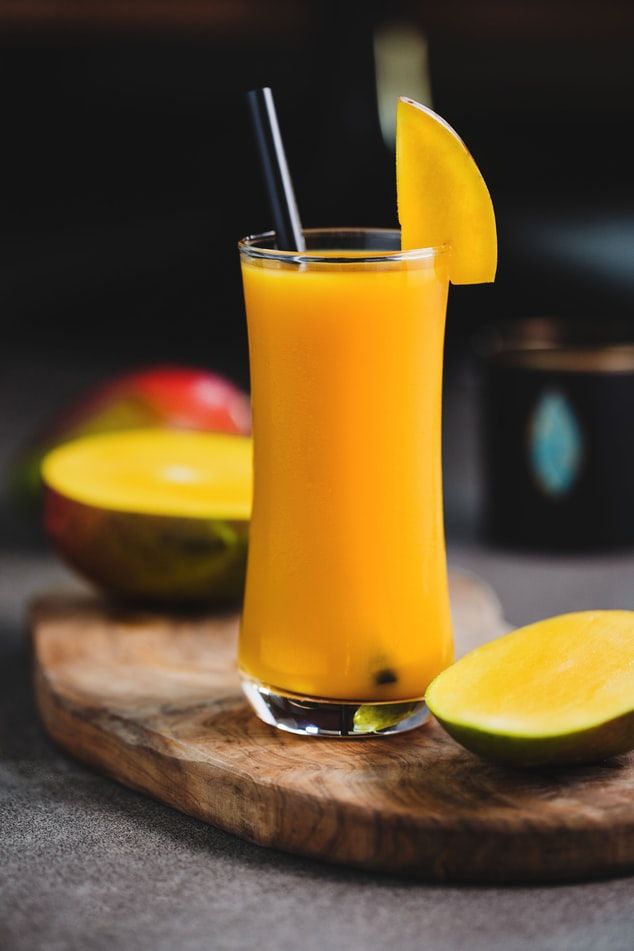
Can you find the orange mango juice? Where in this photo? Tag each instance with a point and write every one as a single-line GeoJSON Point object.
{"type": "Point", "coordinates": [346, 595]}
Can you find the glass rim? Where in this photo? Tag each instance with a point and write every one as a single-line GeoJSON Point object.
{"type": "Point", "coordinates": [251, 247]}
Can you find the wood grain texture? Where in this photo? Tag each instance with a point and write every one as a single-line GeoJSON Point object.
{"type": "Point", "coordinates": [154, 701]}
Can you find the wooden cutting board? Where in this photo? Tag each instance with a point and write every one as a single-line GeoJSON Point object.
{"type": "Point", "coordinates": [154, 701]}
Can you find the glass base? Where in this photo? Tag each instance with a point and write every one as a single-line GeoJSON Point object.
{"type": "Point", "coordinates": [308, 716]}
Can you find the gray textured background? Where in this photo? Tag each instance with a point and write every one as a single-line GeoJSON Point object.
{"type": "Point", "coordinates": [86, 864]}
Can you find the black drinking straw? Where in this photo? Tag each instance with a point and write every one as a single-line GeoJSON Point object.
{"type": "Point", "coordinates": [279, 186]}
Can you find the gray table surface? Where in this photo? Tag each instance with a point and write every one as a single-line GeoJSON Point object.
{"type": "Point", "coordinates": [87, 864]}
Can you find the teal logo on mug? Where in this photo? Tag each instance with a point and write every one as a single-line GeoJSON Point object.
{"type": "Point", "coordinates": [555, 444]}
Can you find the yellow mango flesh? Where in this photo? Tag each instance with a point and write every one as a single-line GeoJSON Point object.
{"type": "Point", "coordinates": [442, 197]}
{"type": "Point", "coordinates": [563, 675]}
{"type": "Point", "coordinates": [156, 472]}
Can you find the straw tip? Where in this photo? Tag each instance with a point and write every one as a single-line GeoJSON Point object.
{"type": "Point", "coordinates": [258, 91]}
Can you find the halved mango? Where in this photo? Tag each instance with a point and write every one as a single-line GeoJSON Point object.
{"type": "Point", "coordinates": [557, 692]}
{"type": "Point", "coordinates": [153, 514]}
{"type": "Point", "coordinates": [442, 196]}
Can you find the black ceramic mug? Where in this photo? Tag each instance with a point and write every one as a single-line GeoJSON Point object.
{"type": "Point", "coordinates": [558, 434]}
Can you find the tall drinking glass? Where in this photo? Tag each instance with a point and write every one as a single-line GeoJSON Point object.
{"type": "Point", "coordinates": [346, 616]}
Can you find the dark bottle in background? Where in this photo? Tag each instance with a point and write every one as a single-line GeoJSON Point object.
{"type": "Point", "coordinates": [558, 434]}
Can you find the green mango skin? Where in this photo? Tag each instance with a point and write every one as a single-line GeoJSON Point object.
{"type": "Point", "coordinates": [581, 748]}
{"type": "Point", "coordinates": [159, 559]}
